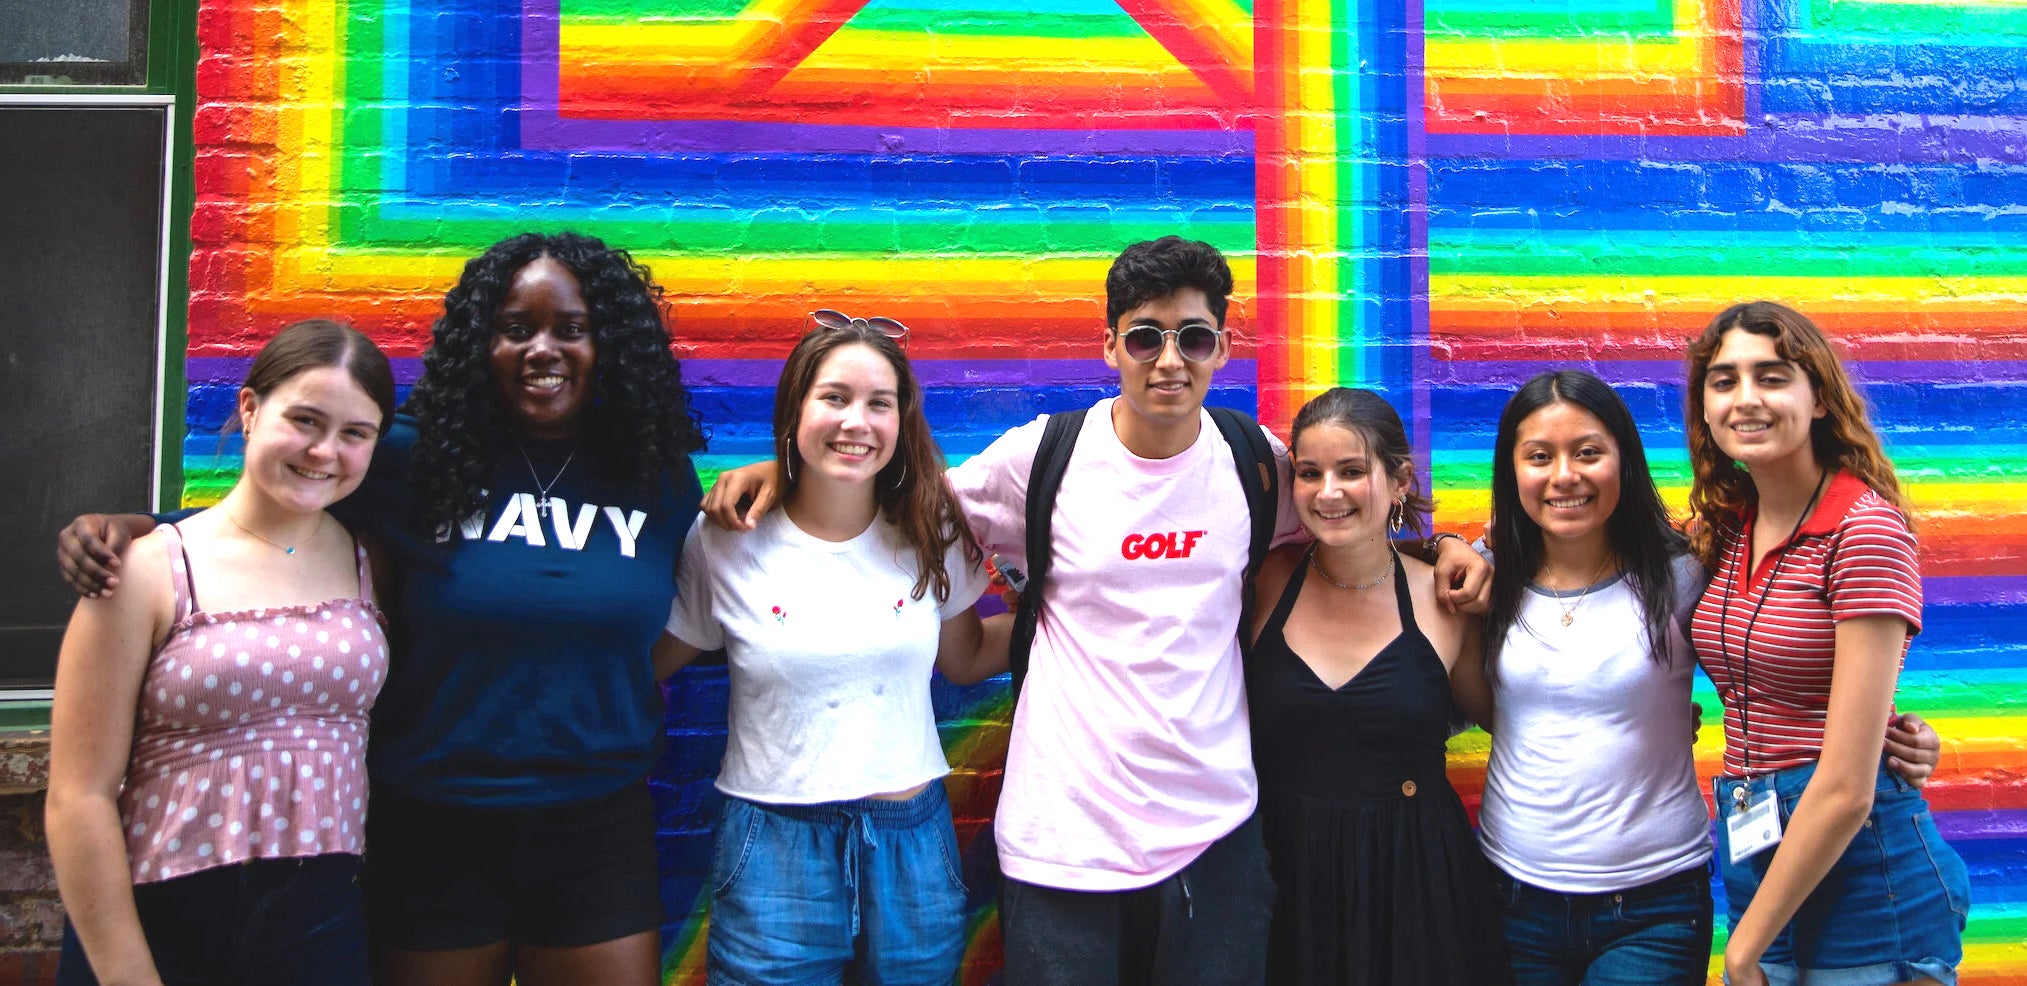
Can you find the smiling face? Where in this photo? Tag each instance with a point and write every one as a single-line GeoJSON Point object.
{"type": "Point", "coordinates": [1567, 467]}
{"type": "Point", "coordinates": [850, 420]}
{"type": "Point", "coordinates": [543, 357]}
{"type": "Point", "coordinates": [1162, 397]}
{"type": "Point", "coordinates": [1342, 492]}
{"type": "Point", "coordinates": [1759, 407]}
{"type": "Point", "coordinates": [309, 438]}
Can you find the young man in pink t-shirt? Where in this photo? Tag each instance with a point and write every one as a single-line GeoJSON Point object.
{"type": "Point", "coordinates": [1125, 825]}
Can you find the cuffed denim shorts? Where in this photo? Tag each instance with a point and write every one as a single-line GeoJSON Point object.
{"type": "Point", "coordinates": [864, 892]}
{"type": "Point", "coordinates": [1891, 909]}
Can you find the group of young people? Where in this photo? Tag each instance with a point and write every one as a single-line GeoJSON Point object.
{"type": "Point", "coordinates": [1225, 764]}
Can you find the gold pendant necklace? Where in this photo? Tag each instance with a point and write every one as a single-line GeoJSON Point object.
{"type": "Point", "coordinates": [1569, 613]}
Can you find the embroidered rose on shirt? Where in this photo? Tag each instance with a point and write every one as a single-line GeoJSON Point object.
{"type": "Point", "coordinates": [780, 615]}
{"type": "Point", "coordinates": [898, 603]}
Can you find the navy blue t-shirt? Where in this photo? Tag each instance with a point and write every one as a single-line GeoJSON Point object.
{"type": "Point", "coordinates": [520, 670]}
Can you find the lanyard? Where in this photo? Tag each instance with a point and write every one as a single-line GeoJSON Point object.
{"type": "Point", "coordinates": [1744, 558]}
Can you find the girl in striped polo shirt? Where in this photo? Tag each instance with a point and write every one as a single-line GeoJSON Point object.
{"type": "Point", "coordinates": [1833, 869]}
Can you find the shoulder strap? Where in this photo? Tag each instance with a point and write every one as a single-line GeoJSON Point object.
{"type": "Point", "coordinates": [180, 575]}
{"type": "Point", "coordinates": [1052, 457]}
{"type": "Point", "coordinates": [1257, 476]}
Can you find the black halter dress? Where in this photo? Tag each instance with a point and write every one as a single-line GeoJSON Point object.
{"type": "Point", "coordinates": [1380, 879]}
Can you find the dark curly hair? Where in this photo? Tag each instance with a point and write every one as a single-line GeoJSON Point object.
{"type": "Point", "coordinates": [1154, 269]}
{"type": "Point", "coordinates": [639, 418]}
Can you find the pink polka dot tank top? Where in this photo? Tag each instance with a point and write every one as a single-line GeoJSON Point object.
{"type": "Point", "coordinates": [250, 738]}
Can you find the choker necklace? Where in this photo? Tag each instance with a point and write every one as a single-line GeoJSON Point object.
{"type": "Point", "coordinates": [1569, 613]}
{"type": "Point", "coordinates": [1316, 562]}
{"type": "Point", "coordinates": [542, 501]}
{"type": "Point", "coordinates": [287, 549]}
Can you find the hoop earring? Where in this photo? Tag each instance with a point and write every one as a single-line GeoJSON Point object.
{"type": "Point", "coordinates": [901, 477]}
{"type": "Point", "coordinates": [788, 461]}
{"type": "Point", "coordinates": [1397, 517]}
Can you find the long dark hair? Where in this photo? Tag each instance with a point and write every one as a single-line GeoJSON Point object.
{"type": "Point", "coordinates": [1638, 531]}
{"type": "Point", "coordinates": [910, 490]}
{"type": "Point", "coordinates": [1841, 439]}
{"type": "Point", "coordinates": [639, 418]}
{"type": "Point", "coordinates": [1369, 416]}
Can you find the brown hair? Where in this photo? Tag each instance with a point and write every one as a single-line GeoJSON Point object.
{"type": "Point", "coordinates": [1842, 438]}
{"type": "Point", "coordinates": [315, 343]}
{"type": "Point", "coordinates": [1369, 416]}
{"type": "Point", "coordinates": [910, 491]}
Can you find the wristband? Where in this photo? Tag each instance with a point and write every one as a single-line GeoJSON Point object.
{"type": "Point", "coordinates": [1435, 542]}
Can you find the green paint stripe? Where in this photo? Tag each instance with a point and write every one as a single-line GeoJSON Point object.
{"type": "Point", "coordinates": [645, 10]}
{"type": "Point", "coordinates": [1908, 25]}
{"type": "Point", "coordinates": [1656, 22]}
{"type": "Point", "coordinates": [1005, 23]}
{"type": "Point", "coordinates": [1530, 254]}
{"type": "Point", "coordinates": [1471, 469]}
{"type": "Point", "coordinates": [1024, 232]}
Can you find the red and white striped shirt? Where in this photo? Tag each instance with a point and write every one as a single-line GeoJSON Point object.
{"type": "Point", "coordinates": [1854, 556]}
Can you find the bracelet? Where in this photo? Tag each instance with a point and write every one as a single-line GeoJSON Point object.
{"type": "Point", "coordinates": [1433, 546]}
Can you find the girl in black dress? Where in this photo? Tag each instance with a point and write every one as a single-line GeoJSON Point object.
{"type": "Point", "coordinates": [1380, 880]}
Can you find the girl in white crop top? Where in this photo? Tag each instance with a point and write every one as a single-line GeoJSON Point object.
{"type": "Point", "coordinates": [215, 835]}
{"type": "Point", "coordinates": [836, 853]}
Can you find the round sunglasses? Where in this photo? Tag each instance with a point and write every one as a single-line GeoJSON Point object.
{"type": "Point", "coordinates": [833, 319]}
{"type": "Point", "coordinates": [1144, 343]}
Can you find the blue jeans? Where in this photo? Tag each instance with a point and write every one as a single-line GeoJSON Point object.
{"type": "Point", "coordinates": [1656, 934]}
{"type": "Point", "coordinates": [268, 922]}
{"type": "Point", "coordinates": [1891, 909]}
{"type": "Point", "coordinates": [865, 891]}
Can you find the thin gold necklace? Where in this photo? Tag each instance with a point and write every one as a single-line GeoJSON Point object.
{"type": "Point", "coordinates": [287, 549]}
{"type": "Point", "coordinates": [1316, 562]}
{"type": "Point", "coordinates": [1569, 613]}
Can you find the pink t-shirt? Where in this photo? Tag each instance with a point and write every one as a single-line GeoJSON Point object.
{"type": "Point", "coordinates": [1130, 751]}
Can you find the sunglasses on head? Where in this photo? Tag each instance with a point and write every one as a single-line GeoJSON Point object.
{"type": "Point", "coordinates": [832, 319]}
{"type": "Point", "coordinates": [1195, 342]}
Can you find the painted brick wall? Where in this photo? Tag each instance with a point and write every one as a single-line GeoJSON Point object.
{"type": "Point", "coordinates": [1432, 197]}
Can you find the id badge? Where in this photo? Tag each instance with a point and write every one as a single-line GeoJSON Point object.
{"type": "Point", "coordinates": [1754, 827]}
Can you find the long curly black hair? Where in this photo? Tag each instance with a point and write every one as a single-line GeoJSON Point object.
{"type": "Point", "coordinates": [639, 419]}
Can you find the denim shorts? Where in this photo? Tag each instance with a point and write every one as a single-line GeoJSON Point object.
{"type": "Point", "coordinates": [1655, 934]}
{"type": "Point", "coordinates": [864, 891]}
{"type": "Point", "coordinates": [1891, 909]}
{"type": "Point", "coordinates": [264, 922]}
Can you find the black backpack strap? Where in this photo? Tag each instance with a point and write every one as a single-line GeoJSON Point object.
{"type": "Point", "coordinates": [1052, 458]}
{"type": "Point", "coordinates": [1259, 476]}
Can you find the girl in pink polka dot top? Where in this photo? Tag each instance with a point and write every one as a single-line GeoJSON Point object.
{"type": "Point", "coordinates": [207, 793]}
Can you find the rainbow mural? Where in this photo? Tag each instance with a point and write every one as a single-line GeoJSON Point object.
{"type": "Point", "coordinates": [1435, 198]}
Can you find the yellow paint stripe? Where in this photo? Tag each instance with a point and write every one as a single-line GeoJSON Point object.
{"type": "Point", "coordinates": [1230, 29]}
{"type": "Point", "coordinates": [1316, 119]}
{"type": "Point", "coordinates": [1826, 293]}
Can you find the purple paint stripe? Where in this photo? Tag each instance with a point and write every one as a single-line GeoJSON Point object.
{"type": "Point", "coordinates": [1887, 138]}
{"type": "Point", "coordinates": [231, 370]}
{"type": "Point", "coordinates": [544, 128]}
{"type": "Point", "coordinates": [1038, 374]}
{"type": "Point", "coordinates": [2000, 823]}
{"type": "Point", "coordinates": [1961, 590]}
{"type": "Point", "coordinates": [1516, 372]}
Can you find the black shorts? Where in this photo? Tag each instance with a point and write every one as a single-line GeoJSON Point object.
{"type": "Point", "coordinates": [445, 877]}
